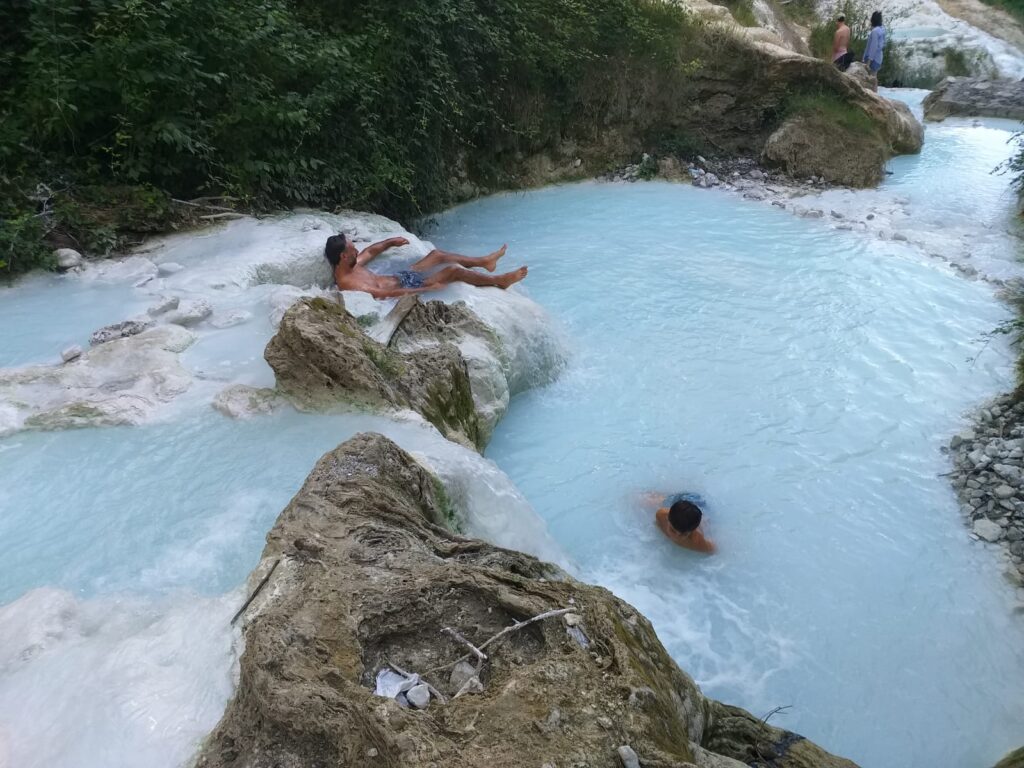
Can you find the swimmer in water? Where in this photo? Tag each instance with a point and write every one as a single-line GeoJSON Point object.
{"type": "Point", "coordinates": [679, 518]}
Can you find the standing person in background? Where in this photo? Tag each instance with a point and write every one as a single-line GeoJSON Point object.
{"type": "Point", "coordinates": [876, 44]}
{"type": "Point", "coordinates": [841, 55]}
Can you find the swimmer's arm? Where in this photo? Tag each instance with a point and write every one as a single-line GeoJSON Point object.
{"type": "Point", "coordinates": [371, 252]}
{"type": "Point", "coordinates": [652, 499]}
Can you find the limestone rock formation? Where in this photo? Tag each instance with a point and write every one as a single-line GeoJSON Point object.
{"type": "Point", "coordinates": [322, 358]}
{"type": "Point", "coordinates": [975, 97]}
{"type": "Point", "coordinates": [118, 382]}
{"type": "Point", "coordinates": [849, 151]}
{"type": "Point", "coordinates": [859, 72]}
{"type": "Point", "coordinates": [360, 577]}
{"type": "Point", "coordinates": [435, 323]}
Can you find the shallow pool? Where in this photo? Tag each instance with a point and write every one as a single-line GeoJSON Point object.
{"type": "Point", "coordinates": [802, 380]}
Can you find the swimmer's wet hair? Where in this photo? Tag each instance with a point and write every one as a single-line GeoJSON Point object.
{"type": "Point", "coordinates": [334, 248]}
{"type": "Point", "coordinates": [684, 516]}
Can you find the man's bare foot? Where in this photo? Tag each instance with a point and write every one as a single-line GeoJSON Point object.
{"type": "Point", "coordinates": [510, 278]}
{"type": "Point", "coordinates": [491, 262]}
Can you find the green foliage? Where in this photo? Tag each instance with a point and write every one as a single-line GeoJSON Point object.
{"type": "Point", "coordinates": [831, 109]}
{"type": "Point", "coordinates": [21, 245]}
{"type": "Point", "coordinates": [956, 62]}
{"type": "Point", "coordinates": [321, 102]}
{"type": "Point", "coordinates": [1014, 7]}
{"type": "Point", "coordinates": [742, 11]}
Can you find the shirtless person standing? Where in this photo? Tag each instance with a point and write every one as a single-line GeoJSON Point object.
{"type": "Point", "coordinates": [350, 274]}
{"type": "Point", "coordinates": [841, 55]}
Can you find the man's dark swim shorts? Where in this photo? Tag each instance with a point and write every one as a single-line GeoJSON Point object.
{"type": "Point", "coordinates": [409, 279]}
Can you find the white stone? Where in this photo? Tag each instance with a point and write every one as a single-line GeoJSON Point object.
{"type": "Point", "coordinates": [67, 258]}
{"type": "Point", "coordinates": [168, 268]}
{"type": "Point", "coordinates": [165, 304]}
{"type": "Point", "coordinates": [418, 696]}
{"type": "Point", "coordinates": [70, 353]}
{"type": "Point", "coordinates": [240, 401]}
{"type": "Point", "coordinates": [1003, 492]}
{"type": "Point", "coordinates": [628, 757]}
{"type": "Point", "coordinates": [987, 530]}
{"type": "Point", "coordinates": [190, 312]}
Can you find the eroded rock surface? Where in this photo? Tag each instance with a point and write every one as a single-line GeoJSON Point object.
{"type": "Point", "coordinates": [975, 97]}
{"type": "Point", "coordinates": [365, 576]}
{"type": "Point", "coordinates": [322, 358]}
{"type": "Point", "coordinates": [117, 382]}
{"type": "Point", "coordinates": [434, 323]}
{"type": "Point", "coordinates": [854, 153]}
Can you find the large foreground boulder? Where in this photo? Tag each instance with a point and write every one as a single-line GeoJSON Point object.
{"type": "Point", "coordinates": [362, 585]}
{"type": "Point", "coordinates": [975, 97]}
{"type": "Point", "coordinates": [322, 359]}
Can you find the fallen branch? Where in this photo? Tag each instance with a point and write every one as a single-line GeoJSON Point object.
{"type": "Point", "coordinates": [520, 624]}
{"type": "Point", "coordinates": [507, 630]}
{"type": "Point", "coordinates": [777, 711]}
{"type": "Point", "coordinates": [207, 206]}
{"type": "Point", "coordinates": [481, 657]}
{"type": "Point", "coordinates": [226, 215]}
{"type": "Point", "coordinates": [255, 592]}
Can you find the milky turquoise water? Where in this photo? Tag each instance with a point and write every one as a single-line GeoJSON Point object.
{"type": "Point", "coordinates": [802, 380]}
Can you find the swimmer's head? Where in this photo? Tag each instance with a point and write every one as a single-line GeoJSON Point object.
{"type": "Point", "coordinates": [684, 516]}
{"type": "Point", "coordinates": [337, 247]}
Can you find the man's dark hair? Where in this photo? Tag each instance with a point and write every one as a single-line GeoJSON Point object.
{"type": "Point", "coordinates": [876, 19]}
{"type": "Point", "coordinates": [334, 248]}
{"type": "Point", "coordinates": [684, 516]}
{"type": "Point", "coordinates": [841, 18]}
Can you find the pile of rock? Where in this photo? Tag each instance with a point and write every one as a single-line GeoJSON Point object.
{"type": "Point", "coordinates": [988, 475]}
{"type": "Point", "coordinates": [975, 97]}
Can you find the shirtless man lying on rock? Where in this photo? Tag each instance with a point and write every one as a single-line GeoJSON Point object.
{"type": "Point", "coordinates": [350, 274]}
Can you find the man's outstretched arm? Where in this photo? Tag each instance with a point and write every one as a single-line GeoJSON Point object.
{"type": "Point", "coordinates": [371, 252]}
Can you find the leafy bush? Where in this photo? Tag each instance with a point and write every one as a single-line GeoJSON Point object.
{"type": "Point", "coordinates": [1013, 7]}
{"type": "Point", "coordinates": [832, 108]}
{"type": "Point", "coordinates": [742, 11]}
{"type": "Point", "coordinates": [369, 104]}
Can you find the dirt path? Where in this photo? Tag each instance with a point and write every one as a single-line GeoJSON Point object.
{"type": "Point", "coordinates": [995, 21]}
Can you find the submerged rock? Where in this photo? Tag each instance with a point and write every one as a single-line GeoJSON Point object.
{"type": "Point", "coordinates": [240, 401]}
{"type": "Point", "coordinates": [975, 97]}
{"type": "Point", "coordinates": [322, 358]}
{"type": "Point", "coordinates": [368, 575]}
